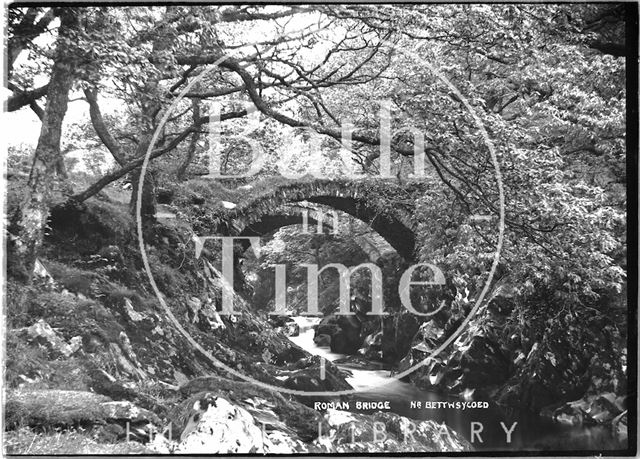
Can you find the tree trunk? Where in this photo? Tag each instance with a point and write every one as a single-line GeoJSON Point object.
{"type": "Point", "coordinates": [193, 145]}
{"type": "Point", "coordinates": [149, 204]}
{"type": "Point", "coordinates": [150, 110]}
{"type": "Point", "coordinates": [27, 226]}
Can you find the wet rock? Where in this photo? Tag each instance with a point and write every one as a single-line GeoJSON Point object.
{"type": "Point", "coordinates": [359, 363]}
{"type": "Point", "coordinates": [475, 362]}
{"type": "Point", "coordinates": [566, 414]}
{"type": "Point", "coordinates": [343, 343]}
{"type": "Point", "coordinates": [310, 381]}
{"type": "Point", "coordinates": [398, 332]}
{"type": "Point", "coordinates": [484, 363]}
{"type": "Point", "coordinates": [344, 332]}
{"type": "Point", "coordinates": [285, 324]}
{"type": "Point", "coordinates": [603, 409]}
{"type": "Point", "coordinates": [592, 409]}
{"type": "Point", "coordinates": [314, 362]}
{"type": "Point", "coordinates": [292, 329]}
{"type": "Point", "coordinates": [322, 340]}
{"type": "Point", "coordinates": [372, 347]}
{"type": "Point", "coordinates": [619, 427]}
{"type": "Point", "coordinates": [307, 376]}
{"type": "Point", "coordinates": [328, 329]}
{"type": "Point", "coordinates": [290, 354]}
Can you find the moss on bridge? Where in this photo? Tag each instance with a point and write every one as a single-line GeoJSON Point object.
{"type": "Point", "coordinates": [387, 206]}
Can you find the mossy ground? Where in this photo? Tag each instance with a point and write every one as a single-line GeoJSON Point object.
{"type": "Point", "coordinates": [96, 289]}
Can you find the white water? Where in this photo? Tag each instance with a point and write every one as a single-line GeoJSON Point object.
{"type": "Point", "coordinates": [533, 433]}
{"type": "Point", "coordinates": [305, 338]}
{"type": "Point", "coordinates": [362, 380]}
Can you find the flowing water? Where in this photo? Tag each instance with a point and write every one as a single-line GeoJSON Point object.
{"type": "Point", "coordinates": [531, 433]}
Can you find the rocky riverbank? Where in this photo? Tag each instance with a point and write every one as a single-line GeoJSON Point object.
{"type": "Point", "coordinates": [93, 357]}
{"type": "Point", "coordinates": [581, 385]}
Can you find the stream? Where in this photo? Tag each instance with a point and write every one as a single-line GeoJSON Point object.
{"type": "Point", "coordinates": [532, 432]}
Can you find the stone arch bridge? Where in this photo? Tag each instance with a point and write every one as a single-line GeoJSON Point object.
{"type": "Point", "coordinates": [385, 206]}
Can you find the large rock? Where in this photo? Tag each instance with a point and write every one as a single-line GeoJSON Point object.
{"type": "Point", "coordinates": [344, 332]}
{"type": "Point", "coordinates": [372, 347]}
{"type": "Point", "coordinates": [591, 409]}
{"type": "Point", "coordinates": [295, 416]}
{"type": "Point", "coordinates": [220, 427]}
{"type": "Point", "coordinates": [474, 361]}
{"type": "Point", "coordinates": [398, 331]}
{"type": "Point", "coordinates": [223, 425]}
{"type": "Point", "coordinates": [619, 427]}
{"type": "Point", "coordinates": [306, 376]}
{"type": "Point", "coordinates": [309, 380]}
{"type": "Point", "coordinates": [285, 324]}
{"type": "Point", "coordinates": [217, 425]}
{"type": "Point", "coordinates": [479, 363]}
{"type": "Point", "coordinates": [43, 335]}
{"type": "Point", "coordinates": [322, 340]}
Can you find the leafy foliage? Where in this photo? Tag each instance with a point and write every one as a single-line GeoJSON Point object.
{"type": "Point", "coordinates": [546, 82]}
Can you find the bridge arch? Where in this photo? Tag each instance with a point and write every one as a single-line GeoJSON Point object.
{"type": "Point", "coordinates": [264, 213]}
{"type": "Point", "coordinates": [373, 245]}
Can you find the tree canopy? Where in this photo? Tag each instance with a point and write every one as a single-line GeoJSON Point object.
{"type": "Point", "coordinates": [545, 81]}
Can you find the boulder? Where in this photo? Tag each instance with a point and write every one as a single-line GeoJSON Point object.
{"type": "Point", "coordinates": [591, 409]}
{"type": "Point", "coordinates": [42, 334]}
{"type": "Point", "coordinates": [285, 324]}
{"type": "Point", "coordinates": [484, 363]}
{"type": "Point", "coordinates": [344, 332]}
{"type": "Point", "coordinates": [357, 362]}
{"type": "Point", "coordinates": [328, 329]}
{"type": "Point", "coordinates": [220, 427]}
{"type": "Point", "coordinates": [306, 376]}
{"type": "Point", "coordinates": [217, 425]}
{"type": "Point", "coordinates": [475, 362]}
{"type": "Point", "coordinates": [309, 381]}
{"type": "Point", "coordinates": [372, 347]}
{"type": "Point", "coordinates": [292, 329]}
{"type": "Point", "coordinates": [290, 354]}
{"type": "Point", "coordinates": [322, 340]}
{"type": "Point", "coordinates": [619, 427]}
{"type": "Point", "coordinates": [294, 415]}
{"type": "Point", "coordinates": [398, 331]}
